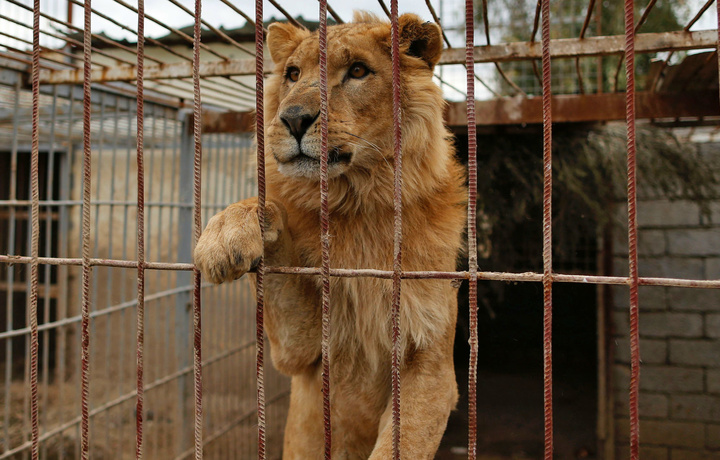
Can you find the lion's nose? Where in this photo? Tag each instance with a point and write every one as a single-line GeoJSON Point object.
{"type": "Point", "coordinates": [298, 120]}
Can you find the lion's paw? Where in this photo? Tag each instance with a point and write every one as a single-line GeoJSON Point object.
{"type": "Point", "coordinates": [231, 244]}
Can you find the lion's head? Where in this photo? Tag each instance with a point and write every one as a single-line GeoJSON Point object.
{"type": "Point", "coordinates": [359, 76]}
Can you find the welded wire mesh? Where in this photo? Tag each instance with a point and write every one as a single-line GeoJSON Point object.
{"type": "Point", "coordinates": [229, 352]}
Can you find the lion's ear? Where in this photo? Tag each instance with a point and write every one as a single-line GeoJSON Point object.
{"type": "Point", "coordinates": [282, 39]}
{"type": "Point", "coordinates": [420, 39]}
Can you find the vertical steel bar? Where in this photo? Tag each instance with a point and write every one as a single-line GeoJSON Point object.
{"type": "Point", "coordinates": [397, 226]}
{"type": "Point", "coordinates": [547, 230]}
{"type": "Point", "coordinates": [472, 228]}
{"type": "Point", "coordinates": [85, 309]}
{"type": "Point", "coordinates": [140, 120]}
{"type": "Point", "coordinates": [325, 228]}
{"type": "Point", "coordinates": [35, 228]}
{"type": "Point", "coordinates": [632, 229]}
{"type": "Point", "coordinates": [260, 135]}
{"type": "Point", "coordinates": [197, 179]}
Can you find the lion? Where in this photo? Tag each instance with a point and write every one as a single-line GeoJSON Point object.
{"type": "Point", "coordinates": [360, 138]}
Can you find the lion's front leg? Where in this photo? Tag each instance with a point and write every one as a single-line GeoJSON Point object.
{"type": "Point", "coordinates": [428, 394]}
{"type": "Point", "coordinates": [231, 245]}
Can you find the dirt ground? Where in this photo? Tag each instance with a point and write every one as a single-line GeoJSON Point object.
{"type": "Point", "coordinates": [510, 419]}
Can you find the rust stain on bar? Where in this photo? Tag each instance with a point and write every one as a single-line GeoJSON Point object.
{"type": "Point", "coordinates": [589, 46]}
{"type": "Point", "coordinates": [585, 108]}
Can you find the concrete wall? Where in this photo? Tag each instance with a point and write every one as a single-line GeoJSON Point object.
{"type": "Point", "coordinates": [679, 334]}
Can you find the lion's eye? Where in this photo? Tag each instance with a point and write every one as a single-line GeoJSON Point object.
{"type": "Point", "coordinates": [292, 74]}
{"type": "Point", "coordinates": [358, 70]}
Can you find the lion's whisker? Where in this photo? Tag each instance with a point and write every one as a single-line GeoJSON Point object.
{"type": "Point", "coordinates": [369, 144]}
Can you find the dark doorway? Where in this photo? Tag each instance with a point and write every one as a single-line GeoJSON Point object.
{"type": "Point", "coordinates": [15, 238]}
{"type": "Point", "coordinates": [510, 329]}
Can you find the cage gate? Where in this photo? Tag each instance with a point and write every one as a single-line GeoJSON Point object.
{"type": "Point", "coordinates": [56, 354]}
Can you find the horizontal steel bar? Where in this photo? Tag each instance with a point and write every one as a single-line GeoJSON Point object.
{"type": "Point", "coordinates": [11, 260]}
{"type": "Point", "coordinates": [159, 204]}
{"type": "Point", "coordinates": [96, 314]}
{"type": "Point", "coordinates": [559, 48]}
{"type": "Point", "coordinates": [573, 108]}
{"type": "Point", "coordinates": [121, 399]}
{"type": "Point", "coordinates": [153, 72]}
{"type": "Point", "coordinates": [588, 46]}
{"type": "Point", "coordinates": [388, 274]}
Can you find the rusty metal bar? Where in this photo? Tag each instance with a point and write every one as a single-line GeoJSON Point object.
{"type": "Point", "coordinates": [71, 26]}
{"type": "Point", "coordinates": [699, 14]}
{"type": "Point", "coordinates": [632, 231]}
{"type": "Point", "coordinates": [35, 228]}
{"type": "Point", "coordinates": [397, 227]}
{"type": "Point", "coordinates": [645, 14]}
{"type": "Point", "coordinates": [287, 15]}
{"type": "Point", "coordinates": [335, 16]}
{"type": "Point", "coordinates": [239, 11]}
{"type": "Point", "coordinates": [324, 227]}
{"type": "Point", "coordinates": [102, 67]}
{"type": "Point", "coordinates": [86, 269]}
{"type": "Point", "coordinates": [571, 108]}
{"type": "Point", "coordinates": [126, 397]}
{"type": "Point", "coordinates": [197, 230]}
{"type": "Point", "coordinates": [237, 421]}
{"type": "Point", "coordinates": [472, 229]}
{"type": "Point", "coordinates": [179, 33]}
{"type": "Point", "coordinates": [589, 46]}
{"type": "Point", "coordinates": [66, 39]}
{"type": "Point", "coordinates": [386, 274]}
{"type": "Point", "coordinates": [384, 8]}
{"type": "Point", "coordinates": [536, 21]}
{"type": "Point", "coordinates": [502, 73]}
{"type": "Point", "coordinates": [260, 289]}
{"type": "Point", "coordinates": [169, 71]}
{"type": "Point", "coordinates": [140, 337]}
{"type": "Point", "coordinates": [433, 13]}
{"type": "Point", "coordinates": [42, 48]}
{"type": "Point", "coordinates": [547, 231]}
{"type": "Point", "coordinates": [220, 33]}
{"type": "Point", "coordinates": [447, 42]}
{"type": "Point", "coordinates": [564, 48]}
{"type": "Point", "coordinates": [639, 24]}
{"type": "Point", "coordinates": [132, 31]}
{"type": "Point", "coordinates": [672, 52]}
{"type": "Point", "coordinates": [583, 30]}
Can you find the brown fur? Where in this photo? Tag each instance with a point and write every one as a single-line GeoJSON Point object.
{"type": "Point", "coordinates": [361, 229]}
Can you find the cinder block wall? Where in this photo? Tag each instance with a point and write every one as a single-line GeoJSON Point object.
{"type": "Point", "coordinates": [679, 334]}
